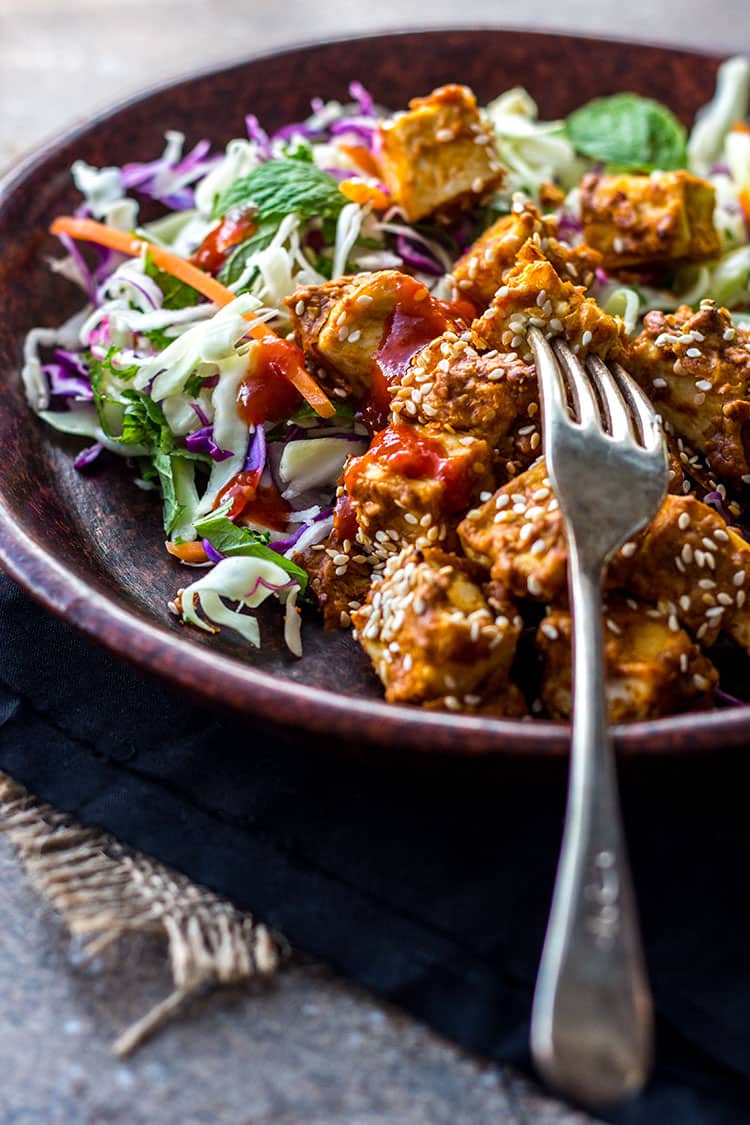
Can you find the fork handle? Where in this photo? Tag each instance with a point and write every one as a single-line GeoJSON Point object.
{"type": "Point", "coordinates": [591, 1027]}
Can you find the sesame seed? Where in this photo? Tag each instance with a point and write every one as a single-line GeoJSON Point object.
{"type": "Point", "coordinates": [724, 599]}
{"type": "Point", "coordinates": [618, 245]}
{"type": "Point", "coordinates": [684, 521]}
{"type": "Point", "coordinates": [354, 336]}
{"type": "Point", "coordinates": [343, 333]}
{"type": "Point", "coordinates": [533, 586]}
{"type": "Point", "coordinates": [344, 619]}
{"type": "Point", "coordinates": [549, 630]}
{"type": "Point", "coordinates": [687, 554]}
{"type": "Point", "coordinates": [728, 333]}
{"type": "Point", "coordinates": [741, 596]}
{"type": "Point", "coordinates": [694, 353]}
{"type": "Point", "coordinates": [714, 611]}
{"type": "Point", "coordinates": [628, 549]}
{"type": "Point", "coordinates": [340, 560]}
{"type": "Point", "coordinates": [538, 547]}
{"type": "Point", "coordinates": [700, 681]}
{"type": "Point", "coordinates": [586, 338]}
{"type": "Point", "coordinates": [673, 624]}
{"type": "Point", "coordinates": [443, 135]}
{"type": "Point", "coordinates": [299, 308]}
{"type": "Point", "coordinates": [614, 627]}
{"type": "Point", "coordinates": [709, 544]}
{"type": "Point", "coordinates": [739, 578]}
{"type": "Point", "coordinates": [702, 384]}
{"type": "Point", "coordinates": [340, 570]}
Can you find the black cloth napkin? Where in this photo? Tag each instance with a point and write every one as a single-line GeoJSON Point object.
{"type": "Point", "coordinates": [423, 878]}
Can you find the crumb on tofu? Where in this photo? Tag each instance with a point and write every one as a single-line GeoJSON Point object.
{"type": "Point", "coordinates": [534, 295]}
{"type": "Point", "coordinates": [342, 325]}
{"type": "Point", "coordinates": [413, 484]}
{"type": "Point", "coordinates": [452, 384]}
{"type": "Point", "coordinates": [431, 633]}
{"type": "Point", "coordinates": [640, 220]}
{"type": "Point", "coordinates": [482, 269]}
{"type": "Point", "coordinates": [438, 154]}
{"type": "Point", "coordinates": [340, 576]}
{"type": "Point", "coordinates": [653, 667]}
{"type": "Point", "coordinates": [695, 367]}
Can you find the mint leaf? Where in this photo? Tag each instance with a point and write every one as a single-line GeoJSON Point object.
{"type": "Point", "coordinates": [237, 260]}
{"type": "Point", "coordinates": [284, 187]}
{"type": "Point", "coordinates": [177, 295]}
{"type": "Point", "coordinates": [229, 539]}
{"type": "Point", "coordinates": [628, 133]}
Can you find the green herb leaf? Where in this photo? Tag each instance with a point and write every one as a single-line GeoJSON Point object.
{"type": "Point", "coordinates": [177, 295]}
{"type": "Point", "coordinates": [628, 133]}
{"type": "Point", "coordinates": [228, 539]}
{"type": "Point", "coordinates": [237, 260]}
{"type": "Point", "coordinates": [285, 187]}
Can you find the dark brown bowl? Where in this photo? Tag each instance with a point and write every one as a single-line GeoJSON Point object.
{"type": "Point", "coordinates": [89, 547]}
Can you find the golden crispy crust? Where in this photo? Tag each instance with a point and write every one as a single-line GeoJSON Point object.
{"type": "Point", "coordinates": [393, 509]}
{"type": "Point", "coordinates": [340, 577]}
{"type": "Point", "coordinates": [438, 154]}
{"type": "Point", "coordinates": [482, 269]}
{"type": "Point", "coordinates": [431, 633]}
{"type": "Point", "coordinates": [653, 666]}
{"type": "Point", "coordinates": [695, 367]}
{"type": "Point", "coordinates": [534, 294]}
{"type": "Point", "coordinates": [632, 220]}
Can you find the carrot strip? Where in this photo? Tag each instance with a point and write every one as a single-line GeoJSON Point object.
{"type": "Point", "coordinates": [358, 191]}
{"type": "Point", "coordinates": [88, 230]}
{"type": "Point", "coordinates": [187, 552]}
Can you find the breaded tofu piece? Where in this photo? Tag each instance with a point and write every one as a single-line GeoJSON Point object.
{"type": "Point", "coordinates": [481, 271]}
{"type": "Point", "coordinates": [695, 367]}
{"type": "Point", "coordinates": [431, 633]}
{"type": "Point", "coordinates": [453, 385]}
{"type": "Point", "coordinates": [439, 154]}
{"type": "Point", "coordinates": [653, 666]}
{"type": "Point", "coordinates": [688, 561]}
{"type": "Point", "coordinates": [341, 324]}
{"type": "Point", "coordinates": [413, 484]}
{"type": "Point", "coordinates": [340, 577]}
{"type": "Point", "coordinates": [691, 563]}
{"type": "Point", "coordinates": [534, 295]}
{"type": "Point", "coordinates": [518, 536]}
{"type": "Point", "coordinates": [639, 220]}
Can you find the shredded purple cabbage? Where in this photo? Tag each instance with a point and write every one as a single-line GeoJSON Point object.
{"type": "Point", "coordinates": [363, 98]}
{"type": "Point", "coordinates": [88, 456]}
{"type": "Point", "coordinates": [202, 441]}
{"type": "Point", "coordinates": [68, 377]}
{"type": "Point", "coordinates": [282, 545]}
{"type": "Point", "coordinates": [212, 554]}
{"type": "Point", "coordinates": [258, 134]}
{"type": "Point", "coordinates": [274, 587]}
{"type": "Point", "coordinates": [601, 276]}
{"type": "Point", "coordinates": [720, 168]}
{"type": "Point", "coordinates": [148, 178]}
{"type": "Point", "coordinates": [255, 461]}
{"type": "Point", "coordinates": [358, 126]}
{"type": "Point", "coordinates": [87, 277]}
{"type": "Point", "coordinates": [727, 700]}
{"type": "Point", "coordinates": [417, 256]}
{"type": "Point", "coordinates": [568, 225]}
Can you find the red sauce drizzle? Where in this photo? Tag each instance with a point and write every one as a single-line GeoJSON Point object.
{"type": "Point", "coordinates": [235, 227]}
{"type": "Point", "coordinates": [405, 450]}
{"type": "Point", "coordinates": [345, 519]}
{"type": "Point", "coordinates": [254, 502]}
{"type": "Point", "coordinates": [416, 320]}
{"type": "Point", "coordinates": [266, 395]}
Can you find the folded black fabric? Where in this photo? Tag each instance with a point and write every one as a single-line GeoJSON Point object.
{"type": "Point", "coordinates": [426, 879]}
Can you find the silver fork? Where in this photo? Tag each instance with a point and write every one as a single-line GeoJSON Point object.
{"type": "Point", "coordinates": [591, 1024]}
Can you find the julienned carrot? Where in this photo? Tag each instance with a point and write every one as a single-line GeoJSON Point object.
{"type": "Point", "coordinates": [88, 230]}
{"type": "Point", "coordinates": [187, 552]}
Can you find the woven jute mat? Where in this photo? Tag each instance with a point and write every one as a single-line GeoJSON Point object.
{"type": "Point", "coordinates": [103, 890]}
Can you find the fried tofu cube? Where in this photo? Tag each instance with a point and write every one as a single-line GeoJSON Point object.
{"type": "Point", "coordinates": [341, 325]}
{"type": "Point", "coordinates": [340, 576]}
{"type": "Point", "coordinates": [518, 536]}
{"type": "Point", "coordinates": [692, 564]}
{"type": "Point", "coordinates": [695, 367]}
{"type": "Point", "coordinates": [481, 271]}
{"type": "Point", "coordinates": [637, 220]}
{"type": "Point", "coordinates": [431, 633]}
{"type": "Point", "coordinates": [534, 295]}
{"type": "Point", "coordinates": [439, 154]}
{"type": "Point", "coordinates": [451, 384]}
{"type": "Point", "coordinates": [413, 484]}
{"type": "Point", "coordinates": [653, 666]}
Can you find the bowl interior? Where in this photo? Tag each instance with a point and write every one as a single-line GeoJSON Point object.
{"type": "Point", "coordinates": [89, 545]}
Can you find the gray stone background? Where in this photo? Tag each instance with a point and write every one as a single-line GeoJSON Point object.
{"type": "Point", "coordinates": [312, 1049]}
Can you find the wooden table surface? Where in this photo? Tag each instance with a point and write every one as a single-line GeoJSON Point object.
{"type": "Point", "coordinates": [312, 1049]}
